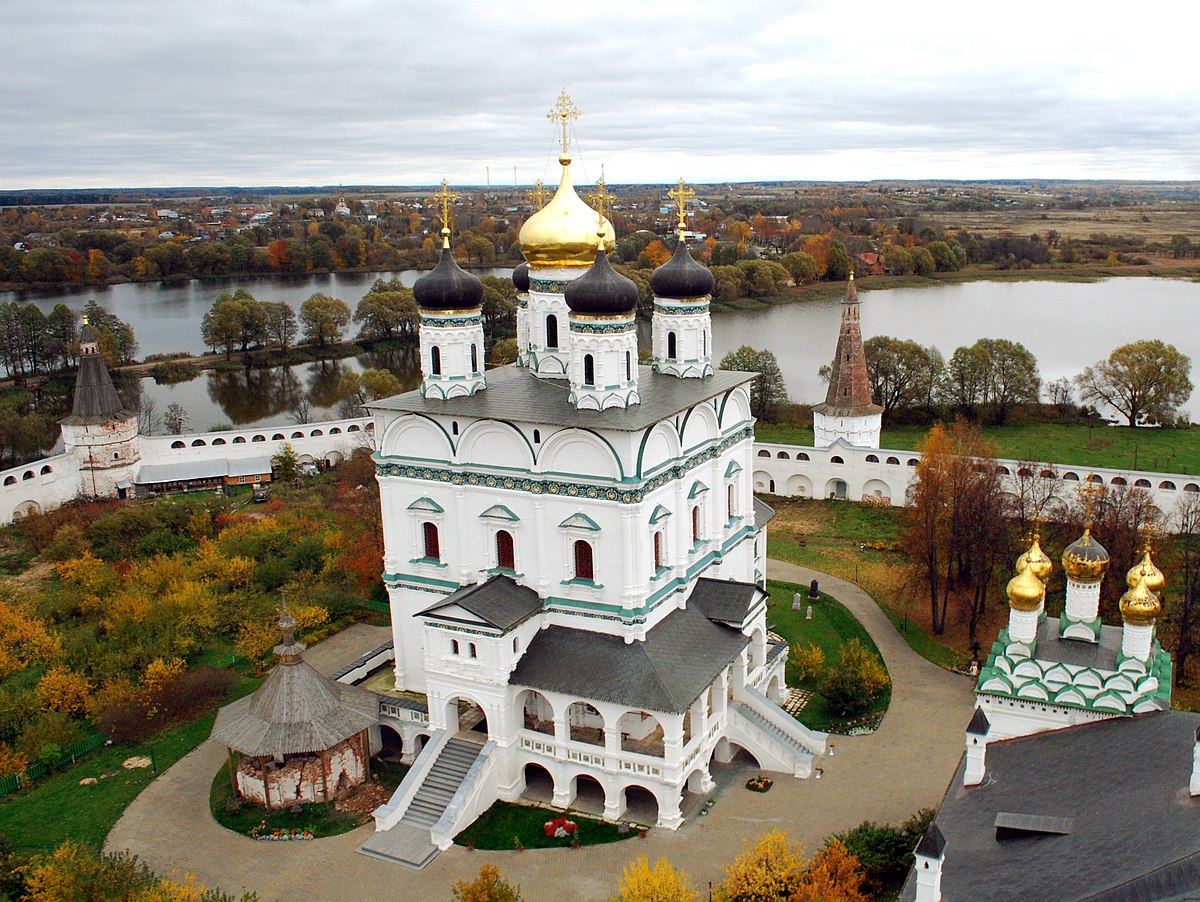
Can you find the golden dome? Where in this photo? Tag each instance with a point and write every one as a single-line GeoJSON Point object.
{"type": "Point", "coordinates": [1025, 591]}
{"type": "Point", "coordinates": [1085, 559]}
{"type": "Point", "coordinates": [1154, 577]}
{"type": "Point", "coordinates": [563, 233]}
{"type": "Point", "coordinates": [1140, 606]}
{"type": "Point", "coordinates": [1035, 559]}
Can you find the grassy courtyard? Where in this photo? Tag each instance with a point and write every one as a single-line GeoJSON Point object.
{"type": "Point", "coordinates": [503, 825]}
{"type": "Point", "coordinates": [831, 627]}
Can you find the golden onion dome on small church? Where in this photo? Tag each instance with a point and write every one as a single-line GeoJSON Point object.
{"type": "Point", "coordinates": [563, 233]}
{"type": "Point", "coordinates": [1035, 559]}
{"type": "Point", "coordinates": [1085, 559]}
{"type": "Point", "coordinates": [1154, 577]}
{"type": "Point", "coordinates": [1140, 606]}
{"type": "Point", "coordinates": [1025, 591]}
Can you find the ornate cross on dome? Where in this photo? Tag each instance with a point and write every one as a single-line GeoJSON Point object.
{"type": "Point", "coordinates": [600, 196]}
{"type": "Point", "coordinates": [680, 196]}
{"type": "Point", "coordinates": [565, 111]}
{"type": "Point", "coordinates": [1089, 492]}
{"type": "Point", "coordinates": [446, 199]}
{"type": "Point", "coordinates": [538, 194]}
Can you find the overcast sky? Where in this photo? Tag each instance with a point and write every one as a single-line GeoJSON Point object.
{"type": "Point", "coordinates": [315, 92]}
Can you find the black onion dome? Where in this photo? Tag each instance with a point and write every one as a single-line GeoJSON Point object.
{"type": "Point", "coordinates": [681, 276]}
{"type": "Point", "coordinates": [602, 291]}
{"type": "Point", "coordinates": [448, 287]}
{"type": "Point", "coordinates": [520, 277]}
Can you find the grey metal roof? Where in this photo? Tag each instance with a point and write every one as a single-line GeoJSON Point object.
{"type": "Point", "coordinates": [499, 602]}
{"type": "Point", "coordinates": [513, 393]}
{"type": "Point", "coordinates": [763, 513]}
{"type": "Point", "coordinates": [1014, 823]}
{"type": "Point", "coordinates": [295, 711]}
{"type": "Point", "coordinates": [201, 468]}
{"type": "Point", "coordinates": [679, 658]}
{"type": "Point", "coordinates": [1102, 655]}
{"type": "Point", "coordinates": [1124, 784]}
{"type": "Point", "coordinates": [725, 601]}
{"type": "Point", "coordinates": [96, 399]}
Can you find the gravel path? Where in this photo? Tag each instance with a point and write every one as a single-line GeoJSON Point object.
{"type": "Point", "coordinates": [883, 777]}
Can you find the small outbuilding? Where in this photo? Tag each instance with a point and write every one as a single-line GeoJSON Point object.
{"type": "Point", "coordinates": [301, 737]}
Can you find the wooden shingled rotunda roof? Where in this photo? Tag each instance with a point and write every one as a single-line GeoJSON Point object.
{"type": "Point", "coordinates": [296, 710]}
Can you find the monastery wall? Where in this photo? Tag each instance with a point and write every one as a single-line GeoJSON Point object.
{"type": "Point", "coordinates": [882, 476]}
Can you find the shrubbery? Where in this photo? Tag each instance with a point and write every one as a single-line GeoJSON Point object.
{"type": "Point", "coordinates": [885, 852]}
{"type": "Point", "coordinates": [180, 698]}
{"type": "Point", "coordinates": [855, 682]}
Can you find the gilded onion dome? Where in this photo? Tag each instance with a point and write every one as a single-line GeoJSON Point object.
{"type": "Point", "coordinates": [682, 277]}
{"type": "Point", "coordinates": [602, 291]}
{"type": "Point", "coordinates": [1025, 591]}
{"type": "Point", "coordinates": [1035, 559]}
{"type": "Point", "coordinates": [448, 286]}
{"type": "Point", "coordinates": [563, 233]}
{"type": "Point", "coordinates": [1145, 567]}
{"type": "Point", "coordinates": [1085, 559]}
{"type": "Point", "coordinates": [520, 277]}
{"type": "Point", "coordinates": [1140, 606]}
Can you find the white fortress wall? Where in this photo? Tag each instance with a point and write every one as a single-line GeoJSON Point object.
{"type": "Point", "coordinates": [883, 476]}
{"type": "Point", "coordinates": [39, 486]}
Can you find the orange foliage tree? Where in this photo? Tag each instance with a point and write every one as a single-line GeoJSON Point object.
{"type": "Point", "coordinates": [62, 689]}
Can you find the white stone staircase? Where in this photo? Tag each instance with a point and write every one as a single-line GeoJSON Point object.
{"type": "Point", "coordinates": [778, 740]}
{"type": "Point", "coordinates": [408, 840]}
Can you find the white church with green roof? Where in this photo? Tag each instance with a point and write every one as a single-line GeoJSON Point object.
{"type": "Point", "coordinates": [573, 554]}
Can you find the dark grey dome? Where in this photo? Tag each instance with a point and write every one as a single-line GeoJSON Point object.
{"type": "Point", "coordinates": [448, 287]}
{"type": "Point", "coordinates": [602, 291]}
{"type": "Point", "coordinates": [520, 277]}
{"type": "Point", "coordinates": [681, 276]}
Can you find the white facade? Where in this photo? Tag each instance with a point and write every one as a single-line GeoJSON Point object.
{"type": "Point", "coordinates": [451, 353]}
{"type": "Point", "coordinates": [547, 322]}
{"type": "Point", "coordinates": [681, 337]}
{"type": "Point", "coordinates": [859, 431]}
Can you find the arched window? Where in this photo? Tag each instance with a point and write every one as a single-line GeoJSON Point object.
{"type": "Point", "coordinates": [583, 561]}
{"type": "Point", "coordinates": [454, 649]}
{"type": "Point", "coordinates": [433, 550]}
{"type": "Point", "coordinates": [658, 551]}
{"type": "Point", "coordinates": [628, 367]}
{"type": "Point", "coordinates": [729, 502]}
{"type": "Point", "coordinates": [671, 346]}
{"type": "Point", "coordinates": [537, 436]}
{"type": "Point", "coordinates": [435, 361]}
{"type": "Point", "coordinates": [552, 331]}
{"type": "Point", "coordinates": [474, 650]}
{"type": "Point", "coordinates": [506, 558]}
{"type": "Point", "coordinates": [696, 524]}
{"type": "Point", "coordinates": [703, 344]}
{"type": "Point", "coordinates": [589, 370]}
{"type": "Point", "coordinates": [454, 427]}
{"type": "Point", "coordinates": [474, 358]}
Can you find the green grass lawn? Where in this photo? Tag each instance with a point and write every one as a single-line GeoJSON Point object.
{"type": "Point", "coordinates": [1162, 450]}
{"type": "Point", "coordinates": [831, 627]}
{"type": "Point", "coordinates": [57, 808]}
{"type": "Point", "coordinates": [500, 826]}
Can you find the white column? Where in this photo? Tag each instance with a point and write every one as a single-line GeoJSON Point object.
{"type": "Point", "coordinates": [1136, 640]}
{"type": "Point", "coordinates": [1083, 601]}
{"type": "Point", "coordinates": [1022, 625]}
{"type": "Point", "coordinates": [929, 856]}
{"type": "Point", "coordinates": [976, 755]}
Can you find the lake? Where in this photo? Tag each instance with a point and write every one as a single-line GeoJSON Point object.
{"type": "Point", "coordinates": [1066, 325]}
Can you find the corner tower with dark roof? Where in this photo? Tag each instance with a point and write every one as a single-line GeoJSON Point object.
{"type": "Point", "coordinates": [849, 413]}
{"type": "Point", "coordinates": [100, 431]}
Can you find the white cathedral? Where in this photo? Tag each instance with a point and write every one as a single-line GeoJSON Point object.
{"type": "Point", "coordinates": [573, 554]}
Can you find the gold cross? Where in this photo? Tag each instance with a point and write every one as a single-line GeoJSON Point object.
{"type": "Point", "coordinates": [565, 111]}
{"type": "Point", "coordinates": [600, 197]}
{"type": "Point", "coordinates": [1090, 492]}
{"type": "Point", "coordinates": [680, 196]}
{"type": "Point", "coordinates": [446, 199]}
{"type": "Point", "coordinates": [538, 194]}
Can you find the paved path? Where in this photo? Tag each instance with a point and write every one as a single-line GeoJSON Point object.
{"type": "Point", "coordinates": [884, 777]}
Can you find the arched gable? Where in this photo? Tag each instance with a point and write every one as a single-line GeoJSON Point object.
{"type": "Point", "coordinates": [700, 426]}
{"type": "Point", "coordinates": [495, 444]}
{"type": "Point", "coordinates": [579, 452]}
{"type": "Point", "coordinates": [660, 445]}
{"type": "Point", "coordinates": [735, 409]}
{"type": "Point", "coordinates": [418, 437]}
